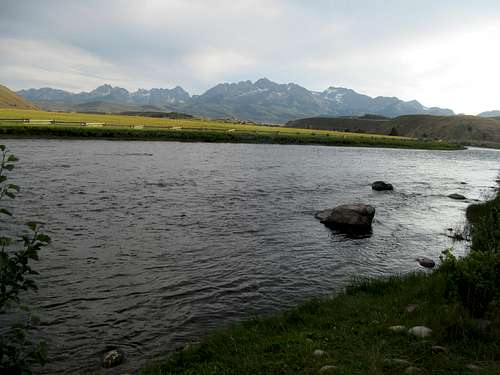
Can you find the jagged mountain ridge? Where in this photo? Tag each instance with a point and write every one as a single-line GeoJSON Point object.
{"type": "Point", "coordinates": [260, 101]}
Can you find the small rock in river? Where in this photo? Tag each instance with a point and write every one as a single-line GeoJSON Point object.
{"type": "Point", "coordinates": [457, 196]}
{"type": "Point", "coordinates": [426, 262]}
{"type": "Point", "coordinates": [420, 331]}
{"type": "Point", "coordinates": [319, 353]}
{"type": "Point", "coordinates": [113, 358]}
{"type": "Point", "coordinates": [327, 369]}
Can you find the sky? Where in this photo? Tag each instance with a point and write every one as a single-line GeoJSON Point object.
{"type": "Point", "coordinates": [442, 52]}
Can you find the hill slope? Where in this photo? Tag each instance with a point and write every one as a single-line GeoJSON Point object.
{"type": "Point", "coordinates": [9, 99]}
{"type": "Point", "coordinates": [470, 130]}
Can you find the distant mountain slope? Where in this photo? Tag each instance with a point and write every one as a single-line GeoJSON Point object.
{"type": "Point", "coordinates": [260, 101]}
{"type": "Point", "coordinates": [490, 114]}
{"type": "Point", "coordinates": [9, 99]}
{"type": "Point", "coordinates": [471, 130]}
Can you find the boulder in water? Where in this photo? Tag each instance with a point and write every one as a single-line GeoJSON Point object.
{"type": "Point", "coordinates": [381, 186]}
{"type": "Point", "coordinates": [351, 217]}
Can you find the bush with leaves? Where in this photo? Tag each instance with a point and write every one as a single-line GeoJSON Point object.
{"type": "Point", "coordinates": [475, 279]}
{"type": "Point", "coordinates": [18, 352]}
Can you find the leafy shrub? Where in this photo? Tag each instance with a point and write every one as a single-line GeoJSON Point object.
{"type": "Point", "coordinates": [475, 279]}
{"type": "Point", "coordinates": [17, 352]}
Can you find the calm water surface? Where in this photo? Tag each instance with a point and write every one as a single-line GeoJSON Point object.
{"type": "Point", "coordinates": [157, 243]}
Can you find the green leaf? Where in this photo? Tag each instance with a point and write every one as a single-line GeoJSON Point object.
{"type": "Point", "coordinates": [13, 187]}
{"type": "Point", "coordinates": [10, 194]}
{"type": "Point", "coordinates": [5, 241]}
{"type": "Point", "coordinates": [32, 225]}
{"type": "Point", "coordinates": [5, 212]}
{"type": "Point", "coordinates": [43, 238]}
{"type": "Point", "coordinates": [12, 158]}
{"type": "Point", "coordinates": [42, 352]}
{"type": "Point", "coordinates": [3, 178]}
{"type": "Point", "coordinates": [2, 147]}
{"type": "Point", "coordinates": [9, 167]}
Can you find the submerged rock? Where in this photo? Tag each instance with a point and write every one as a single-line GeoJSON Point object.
{"type": "Point", "coordinates": [351, 217]}
{"type": "Point", "coordinates": [381, 186]}
{"type": "Point", "coordinates": [457, 196]}
{"type": "Point", "coordinates": [113, 358]}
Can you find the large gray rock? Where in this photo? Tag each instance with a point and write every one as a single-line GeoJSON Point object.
{"type": "Point", "coordinates": [381, 186]}
{"type": "Point", "coordinates": [348, 216]}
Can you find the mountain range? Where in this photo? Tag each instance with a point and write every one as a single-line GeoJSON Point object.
{"type": "Point", "coordinates": [490, 114]}
{"type": "Point", "coordinates": [261, 101]}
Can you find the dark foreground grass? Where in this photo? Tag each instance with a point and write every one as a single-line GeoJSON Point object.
{"type": "Point", "coordinates": [353, 328]}
{"type": "Point", "coordinates": [211, 135]}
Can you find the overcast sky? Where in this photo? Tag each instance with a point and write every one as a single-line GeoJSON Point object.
{"type": "Point", "coordinates": [441, 52]}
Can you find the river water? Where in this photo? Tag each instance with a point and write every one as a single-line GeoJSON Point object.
{"type": "Point", "coordinates": [155, 244]}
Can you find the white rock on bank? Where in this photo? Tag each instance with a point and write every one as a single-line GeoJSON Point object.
{"type": "Point", "coordinates": [319, 353]}
{"type": "Point", "coordinates": [412, 370]}
{"type": "Point", "coordinates": [398, 328]}
{"type": "Point", "coordinates": [396, 362]}
{"type": "Point", "coordinates": [420, 331]}
{"type": "Point", "coordinates": [327, 369]}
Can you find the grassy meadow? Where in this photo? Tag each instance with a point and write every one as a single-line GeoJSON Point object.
{"type": "Point", "coordinates": [83, 125]}
{"type": "Point", "coordinates": [350, 332]}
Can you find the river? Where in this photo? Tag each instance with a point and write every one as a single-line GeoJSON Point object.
{"type": "Point", "coordinates": [155, 244]}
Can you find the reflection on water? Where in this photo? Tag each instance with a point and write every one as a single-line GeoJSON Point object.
{"type": "Point", "coordinates": [157, 243]}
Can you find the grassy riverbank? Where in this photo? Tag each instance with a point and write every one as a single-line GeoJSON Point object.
{"type": "Point", "coordinates": [84, 126]}
{"type": "Point", "coordinates": [457, 301]}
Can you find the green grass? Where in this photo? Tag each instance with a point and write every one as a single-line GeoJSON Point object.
{"type": "Point", "coordinates": [190, 130]}
{"type": "Point", "coordinates": [352, 327]}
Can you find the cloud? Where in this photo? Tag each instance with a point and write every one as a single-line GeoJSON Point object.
{"type": "Point", "coordinates": [41, 63]}
{"type": "Point", "coordinates": [427, 50]}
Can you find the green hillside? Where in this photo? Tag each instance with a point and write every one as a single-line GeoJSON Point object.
{"type": "Point", "coordinates": [9, 99]}
{"type": "Point", "coordinates": [470, 130]}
